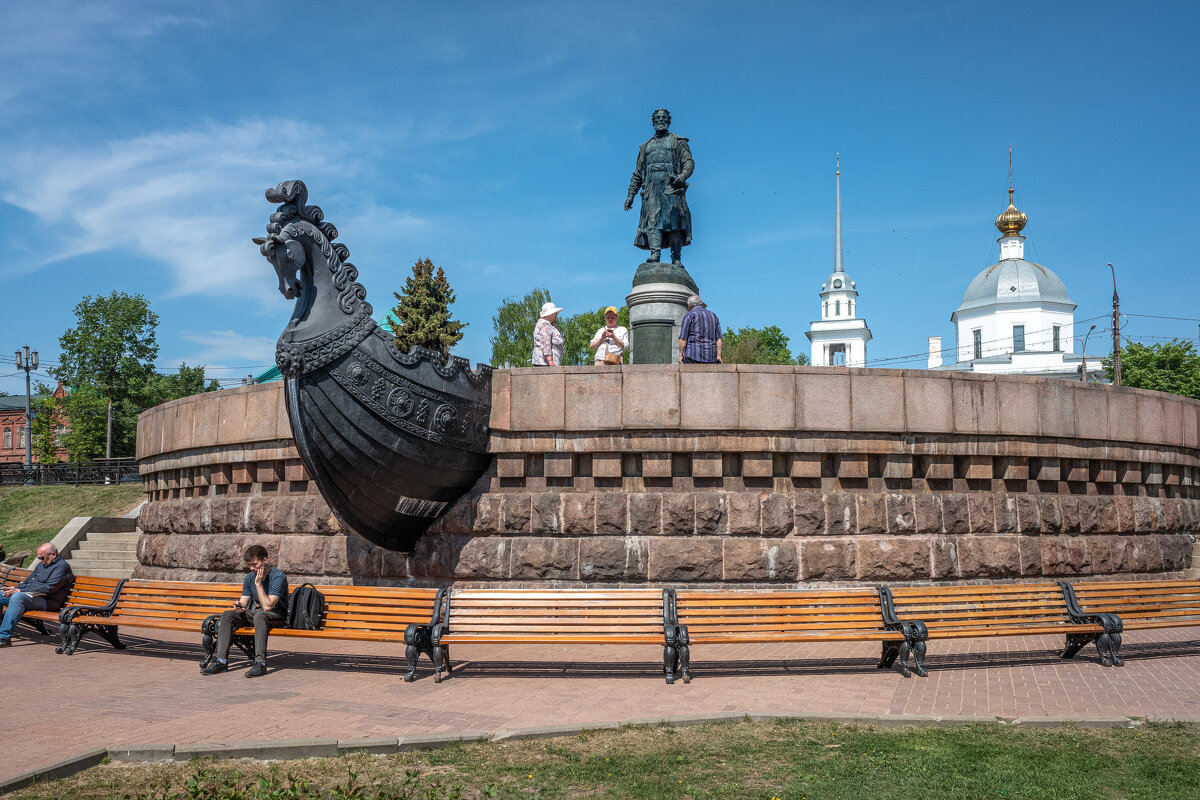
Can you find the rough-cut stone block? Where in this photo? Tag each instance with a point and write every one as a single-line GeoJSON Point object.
{"type": "Point", "coordinates": [757, 465]}
{"type": "Point", "coordinates": [711, 514]}
{"type": "Point", "coordinates": [871, 511]}
{"type": "Point", "coordinates": [593, 400]}
{"type": "Point", "coordinates": [547, 513]}
{"type": "Point", "coordinates": [1144, 515]}
{"type": "Point", "coordinates": [821, 401]}
{"type": "Point", "coordinates": [893, 558]}
{"type": "Point", "coordinates": [853, 465]}
{"type": "Point", "coordinates": [579, 513]}
{"type": "Point", "coordinates": [538, 399]}
{"type": "Point", "coordinates": [745, 516]}
{"type": "Point", "coordinates": [606, 465]}
{"type": "Point", "coordinates": [956, 516]}
{"type": "Point", "coordinates": [555, 465]}
{"type": "Point", "coordinates": [1176, 552]}
{"type": "Point", "coordinates": [927, 512]}
{"type": "Point", "coordinates": [545, 559]}
{"type": "Point", "coordinates": [805, 465]}
{"type": "Point", "coordinates": [927, 404]}
{"type": "Point", "coordinates": [943, 557]}
{"type": "Point", "coordinates": [757, 560]}
{"type": "Point", "coordinates": [1051, 513]}
{"type": "Point", "coordinates": [709, 400]}
{"type": "Point", "coordinates": [612, 514]}
{"type": "Point", "coordinates": [810, 514]}
{"type": "Point", "coordinates": [1018, 408]}
{"type": "Point", "coordinates": [650, 397]}
{"type": "Point", "coordinates": [767, 401]}
{"type": "Point", "coordinates": [1030, 549]}
{"type": "Point", "coordinates": [876, 402]}
{"type": "Point", "coordinates": [839, 514]}
{"type": "Point", "coordinates": [487, 514]}
{"type": "Point", "coordinates": [776, 513]}
{"type": "Point", "coordinates": [901, 517]}
{"type": "Point", "coordinates": [1065, 555]}
{"type": "Point", "coordinates": [1104, 515]}
{"type": "Point", "coordinates": [989, 557]}
{"type": "Point", "coordinates": [614, 559]}
{"type": "Point", "coordinates": [679, 514]}
{"type": "Point", "coordinates": [510, 465]}
{"type": "Point", "coordinates": [483, 558]}
{"type": "Point", "coordinates": [1029, 518]}
{"type": "Point", "coordinates": [302, 555]}
{"type": "Point", "coordinates": [656, 465]}
{"type": "Point", "coordinates": [1171, 516]}
{"type": "Point", "coordinates": [1056, 409]}
{"type": "Point", "coordinates": [685, 559]}
{"type": "Point", "coordinates": [645, 514]}
{"type": "Point", "coordinates": [706, 465]}
{"type": "Point", "coordinates": [517, 513]}
{"type": "Point", "coordinates": [1100, 552]}
{"type": "Point", "coordinates": [975, 405]}
{"type": "Point", "coordinates": [1006, 513]}
{"type": "Point", "coordinates": [982, 509]}
{"type": "Point", "coordinates": [827, 560]}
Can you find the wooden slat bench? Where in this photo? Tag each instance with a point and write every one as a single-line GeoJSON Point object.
{"type": "Point", "coordinates": [1140, 605]}
{"type": "Point", "coordinates": [967, 612]}
{"type": "Point", "coordinates": [86, 590]}
{"type": "Point", "coordinates": [767, 616]}
{"type": "Point", "coordinates": [565, 616]}
{"type": "Point", "coordinates": [358, 613]}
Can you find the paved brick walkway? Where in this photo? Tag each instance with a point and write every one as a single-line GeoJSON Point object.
{"type": "Point", "coordinates": [153, 693]}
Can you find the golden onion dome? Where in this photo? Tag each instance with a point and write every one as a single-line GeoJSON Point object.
{"type": "Point", "coordinates": [1011, 222]}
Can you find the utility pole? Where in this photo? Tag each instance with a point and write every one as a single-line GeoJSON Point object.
{"type": "Point", "coordinates": [28, 361]}
{"type": "Point", "coordinates": [1083, 363]}
{"type": "Point", "coordinates": [1116, 328]}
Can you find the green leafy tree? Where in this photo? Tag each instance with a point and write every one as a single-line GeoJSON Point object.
{"type": "Point", "coordinates": [578, 331]}
{"type": "Point", "coordinates": [421, 317]}
{"type": "Point", "coordinates": [1172, 366]}
{"type": "Point", "coordinates": [46, 414]}
{"type": "Point", "coordinates": [766, 345]}
{"type": "Point", "coordinates": [512, 328]}
{"type": "Point", "coordinates": [187, 381]}
{"type": "Point", "coordinates": [112, 351]}
{"type": "Point", "coordinates": [86, 410]}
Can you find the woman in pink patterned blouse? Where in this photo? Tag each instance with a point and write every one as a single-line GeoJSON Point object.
{"type": "Point", "coordinates": [547, 338]}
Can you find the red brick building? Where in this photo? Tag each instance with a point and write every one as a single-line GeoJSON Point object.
{"type": "Point", "coordinates": [13, 433]}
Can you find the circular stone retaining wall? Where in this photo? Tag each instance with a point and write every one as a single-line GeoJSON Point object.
{"type": "Point", "coordinates": [744, 475]}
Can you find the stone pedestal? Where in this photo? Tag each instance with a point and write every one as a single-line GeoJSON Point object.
{"type": "Point", "coordinates": [657, 305]}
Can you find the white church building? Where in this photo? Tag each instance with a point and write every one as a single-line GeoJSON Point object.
{"type": "Point", "coordinates": [840, 336]}
{"type": "Point", "coordinates": [1015, 317]}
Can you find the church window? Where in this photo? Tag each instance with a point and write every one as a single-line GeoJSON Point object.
{"type": "Point", "coordinates": [7, 438]}
{"type": "Point", "coordinates": [827, 308]}
{"type": "Point", "coordinates": [849, 308]}
{"type": "Point", "coordinates": [20, 437]}
{"type": "Point", "coordinates": [977, 340]}
{"type": "Point", "coordinates": [837, 355]}
{"type": "Point", "coordinates": [837, 308]}
{"type": "Point", "coordinates": [1018, 338]}
{"type": "Point", "coordinates": [1057, 338]}
{"type": "Point", "coordinates": [837, 283]}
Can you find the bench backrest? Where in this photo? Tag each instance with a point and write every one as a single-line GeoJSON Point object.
{"type": "Point", "coordinates": [376, 608]}
{"type": "Point", "coordinates": [823, 613]}
{"type": "Point", "coordinates": [175, 601]}
{"type": "Point", "coordinates": [1148, 602]}
{"type": "Point", "coordinates": [531, 614]}
{"type": "Point", "coordinates": [86, 591]}
{"type": "Point", "coordinates": [976, 610]}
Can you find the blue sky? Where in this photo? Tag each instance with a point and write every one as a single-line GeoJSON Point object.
{"type": "Point", "coordinates": [136, 140]}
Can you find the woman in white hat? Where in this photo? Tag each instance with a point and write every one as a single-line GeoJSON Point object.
{"type": "Point", "coordinates": [547, 338]}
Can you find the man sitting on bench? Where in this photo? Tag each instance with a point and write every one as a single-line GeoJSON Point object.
{"type": "Point", "coordinates": [263, 604]}
{"type": "Point", "coordinates": [45, 589]}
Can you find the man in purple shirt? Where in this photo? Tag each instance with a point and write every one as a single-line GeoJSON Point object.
{"type": "Point", "coordinates": [699, 335]}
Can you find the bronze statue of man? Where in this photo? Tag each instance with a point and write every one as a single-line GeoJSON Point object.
{"type": "Point", "coordinates": [664, 163]}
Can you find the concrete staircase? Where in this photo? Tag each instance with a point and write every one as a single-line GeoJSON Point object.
{"type": "Point", "coordinates": [103, 547]}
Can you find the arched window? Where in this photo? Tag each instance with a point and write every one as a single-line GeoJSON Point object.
{"type": "Point", "coordinates": [837, 308]}
{"type": "Point", "coordinates": [8, 438]}
{"type": "Point", "coordinates": [20, 437]}
{"type": "Point", "coordinates": [827, 308]}
{"type": "Point", "coordinates": [849, 308]}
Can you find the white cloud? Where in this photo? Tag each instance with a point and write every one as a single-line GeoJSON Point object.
{"type": "Point", "coordinates": [225, 355]}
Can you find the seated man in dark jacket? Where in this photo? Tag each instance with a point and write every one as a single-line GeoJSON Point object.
{"type": "Point", "coordinates": [45, 590]}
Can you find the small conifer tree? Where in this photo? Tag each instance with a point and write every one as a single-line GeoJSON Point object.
{"type": "Point", "coordinates": [421, 317]}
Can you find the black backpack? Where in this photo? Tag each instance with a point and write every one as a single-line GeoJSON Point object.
{"type": "Point", "coordinates": [306, 609]}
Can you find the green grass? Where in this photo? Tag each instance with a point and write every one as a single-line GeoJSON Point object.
{"type": "Point", "coordinates": [784, 759]}
{"type": "Point", "coordinates": [30, 515]}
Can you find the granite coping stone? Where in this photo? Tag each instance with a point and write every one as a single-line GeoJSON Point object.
{"type": "Point", "coordinates": [375, 745]}
{"type": "Point", "coordinates": [552, 731]}
{"type": "Point", "coordinates": [270, 749]}
{"type": "Point", "coordinates": [142, 752]}
{"type": "Point", "coordinates": [59, 769]}
{"type": "Point", "coordinates": [432, 741]}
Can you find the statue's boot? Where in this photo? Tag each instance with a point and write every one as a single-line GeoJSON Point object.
{"type": "Point", "coordinates": [676, 251]}
{"type": "Point", "coordinates": [655, 238]}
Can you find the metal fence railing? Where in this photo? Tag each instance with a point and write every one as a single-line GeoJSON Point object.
{"type": "Point", "coordinates": [101, 471]}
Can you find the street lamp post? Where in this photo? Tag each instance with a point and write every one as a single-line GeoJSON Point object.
{"type": "Point", "coordinates": [1083, 362]}
{"type": "Point", "coordinates": [28, 361]}
{"type": "Point", "coordinates": [1116, 328]}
